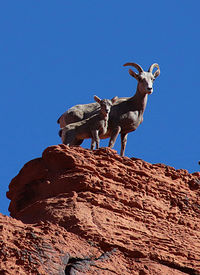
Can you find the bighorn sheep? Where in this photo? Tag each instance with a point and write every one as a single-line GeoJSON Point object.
{"type": "Point", "coordinates": [92, 127]}
{"type": "Point", "coordinates": [126, 114]}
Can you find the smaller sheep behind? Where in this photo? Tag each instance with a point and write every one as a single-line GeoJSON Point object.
{"type": "Point", "coordinates": [93, 127]}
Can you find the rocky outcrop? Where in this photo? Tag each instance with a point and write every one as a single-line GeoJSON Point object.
{"type": "Point", "coordinates": [98, 213]}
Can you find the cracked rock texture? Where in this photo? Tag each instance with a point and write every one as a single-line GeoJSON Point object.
{"type": "Point", "coordinates": [76, 211]}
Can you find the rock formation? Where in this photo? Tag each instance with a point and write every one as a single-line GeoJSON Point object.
{"type": "Point", "coordinates": [76, 211]}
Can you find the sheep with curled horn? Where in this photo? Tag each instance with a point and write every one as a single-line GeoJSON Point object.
{"type": "Point", "coordinates": [127, 115]}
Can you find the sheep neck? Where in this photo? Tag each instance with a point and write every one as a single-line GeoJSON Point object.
{"type": "Point", "coordinates": [104, 118]}
{"type": "Point", "coordinates": [140, 99]}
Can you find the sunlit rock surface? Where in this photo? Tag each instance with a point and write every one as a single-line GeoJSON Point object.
{"type": "Point", "coordinates": [76, 211]}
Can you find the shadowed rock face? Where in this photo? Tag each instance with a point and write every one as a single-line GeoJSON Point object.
{"type": "Point", "coordinates": [76, 206]}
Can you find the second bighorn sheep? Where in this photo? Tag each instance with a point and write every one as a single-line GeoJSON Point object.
{"type": "Point", "coordinates": [92, 127]}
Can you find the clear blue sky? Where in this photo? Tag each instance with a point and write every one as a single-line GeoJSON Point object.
{"type": "Point", "coordinates": [55, 54]}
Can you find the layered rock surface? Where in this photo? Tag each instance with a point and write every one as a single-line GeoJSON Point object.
{"type": "Point", "coordinates": [94, 212]}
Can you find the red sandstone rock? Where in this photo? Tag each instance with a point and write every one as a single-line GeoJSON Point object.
{"type": "Point", "coordinates": [85, 203]}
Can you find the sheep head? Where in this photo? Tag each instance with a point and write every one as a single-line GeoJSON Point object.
{"type": "Point", "coordinates": [105, 104]}
{"type": "Point", "coordinates": [145, 79]}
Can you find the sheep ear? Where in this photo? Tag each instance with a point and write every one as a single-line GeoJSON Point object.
{"type": "Point", "coordinates": [132, 73]}
{"type": "Point", "coordinates": [114, 99]}
{"type": "Point", "coordinates": [156, 74]}
{"type": "Point", "coordinates": [97, 99]}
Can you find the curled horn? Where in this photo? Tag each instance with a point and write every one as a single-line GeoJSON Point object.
{"type": "Point", "coordinates": [155, 65]}
{"type": "Point", "coordinates": [135, 65]}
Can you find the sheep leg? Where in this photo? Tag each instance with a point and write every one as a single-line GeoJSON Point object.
{"type": "Point", "coordinates": [61, 121]}
{"type": "Point", "coordinates": [95, 140]}
{"type": "Point", "coordinates": [123, 143]}
{"type": "Point", "coordinates": [113, 137]}
{"type": "Point", "coordinates": [68, 141]}
{"type": "Point", "coordinates": [69, 138]}
{"type": "Point", "coordinates": [79, 142]}
{"type": "Point", "coordinates": [74, 142]}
